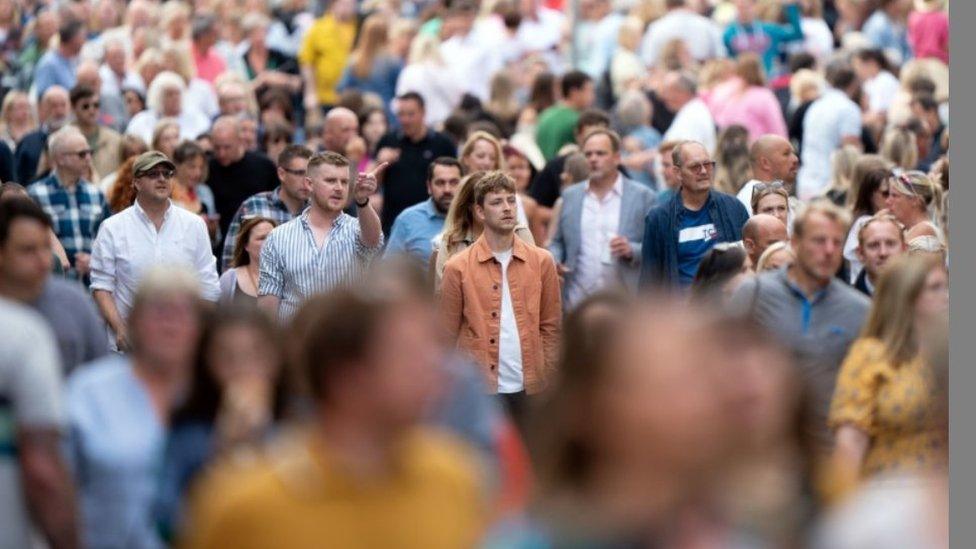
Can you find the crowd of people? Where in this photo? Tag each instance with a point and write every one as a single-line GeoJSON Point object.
{"type": "Point", "coordinates": [458, 273]}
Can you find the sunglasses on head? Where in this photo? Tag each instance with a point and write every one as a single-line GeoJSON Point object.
{"type": "Point", "coordinates": [760, 188]}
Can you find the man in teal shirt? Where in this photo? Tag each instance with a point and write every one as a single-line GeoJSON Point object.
{"type": "Point", "coordinates": [556, 124]}
{"type": "Point", "coordinates": [748, 35]}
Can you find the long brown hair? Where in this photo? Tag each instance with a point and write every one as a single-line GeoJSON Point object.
{"type": "Point", "coordinates": [123, 192]}
{"type": "Point", "coordinates": [241, 257]}
{"type": "Point", "coordinates": [373, 40]}
{"type": "Point", "coordinates": [892, 316]}
{"type": "Point", "coordinates": [460, 218]}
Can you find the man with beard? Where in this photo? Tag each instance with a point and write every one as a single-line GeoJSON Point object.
{"type": "Point", "coordinates": [415, 228]}
{"type": "Point", "coordinates": [151, 232]}
{"type": "Point", "coordinates": [282, 204]}
{"type": "Point", "coordinates": [323, 247]}
{"type": "Point", "coordinates": [772, 159]}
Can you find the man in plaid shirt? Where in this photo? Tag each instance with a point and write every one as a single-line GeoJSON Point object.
{"type": "Point", "coordinates": [76, 207]}
{"type": "Point", "coordinates": [281, 204]}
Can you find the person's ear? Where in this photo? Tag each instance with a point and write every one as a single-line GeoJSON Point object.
{"type": "Point", "coordinates": [479, 213]}
{"type": "Point", "coordinates": [859, 254]}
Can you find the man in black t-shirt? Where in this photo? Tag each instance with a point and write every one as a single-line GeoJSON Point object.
{"type": "Point", "coordinates": [409, 151]}
{"type": "Point", "coordinates": [235, 174]}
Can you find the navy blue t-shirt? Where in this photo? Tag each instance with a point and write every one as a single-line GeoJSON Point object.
{"type": "Point", "coordinates": [696, 235]}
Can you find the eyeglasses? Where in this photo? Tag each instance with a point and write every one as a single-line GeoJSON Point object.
{"type": "Point", "coordinates": [92, 105]}
{"type": "Point", "coordinates": [80, 154]}
{"type": "Point", "coordinates": [697, 167]}
{"type": "Point", "coordinates": [295, 172]}
{"type": "Point", "coordinates": [156, 174]}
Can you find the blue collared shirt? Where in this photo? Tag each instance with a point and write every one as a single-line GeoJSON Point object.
{"type": "Point", "coordinates": [294, 268]}
{"type": "Point", "coordinates": [53, 69]}
{"type": "Point", "coordinates": [76, 213]}
{"type": "Point", "coordinates": [414, 230]}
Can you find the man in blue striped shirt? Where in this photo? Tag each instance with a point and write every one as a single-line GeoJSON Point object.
{"type": "Point", "coordinates": [323, 247]}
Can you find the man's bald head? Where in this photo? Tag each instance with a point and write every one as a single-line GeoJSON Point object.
{"type": "Point", "coordinates": [759, 232]}
{"type": "Point", "coordinates": [773, 159]}
{"type": "Point", "coordinates": [226, 137]}
{"type": "Point", "coordinates": [340, 126]}
{"type": "Point", "coordinates": [87, 75]}
{"type": "Point", "coordinates": [55, 106]}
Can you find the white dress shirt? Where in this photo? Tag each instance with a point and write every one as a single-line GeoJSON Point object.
{"type": "Point", "coordinates": [702, 36]}
{"type": "Point", "coordinates": [599, 224]}
{"type": "Point", "coordinates": [694, 121]}
{"type": "Point", "coordinates": [128, 245]}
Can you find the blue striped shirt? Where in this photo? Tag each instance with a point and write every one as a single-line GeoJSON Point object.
{"type": "Point", "coordinates": [294, 269]}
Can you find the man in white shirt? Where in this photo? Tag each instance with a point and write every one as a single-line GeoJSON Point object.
{"type": "Point", "coordinates": [702, 36]}
{"type": "Point", "coordinates": [772, 158]}
{"type": "Point", "coordinates": [598, 236]}
{"type": "Point", "coordinates": [473, 57]}
{"type": "Point", "coordinates": [831, 122]}
{"type": "Point", "coordinates": [151, 232]}
{"type": "Point", "coordinates": [692, 121]}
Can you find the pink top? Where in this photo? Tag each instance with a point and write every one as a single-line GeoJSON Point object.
{"type": "Point", "coordinates": [928, 34]}
{"type": "Point", "coordinates": [209, 65]}
{"type": "Point", "coordinates": [754, 107]}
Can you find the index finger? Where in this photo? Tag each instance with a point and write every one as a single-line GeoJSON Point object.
{"type": "Point", "coordinates": [378, 169]}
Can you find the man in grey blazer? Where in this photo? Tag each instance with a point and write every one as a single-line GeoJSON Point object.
{"type": "Point", "coordinates": [597, 243]}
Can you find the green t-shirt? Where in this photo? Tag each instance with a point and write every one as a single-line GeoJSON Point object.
{"type": "Point", "coordinates": [555, 129]}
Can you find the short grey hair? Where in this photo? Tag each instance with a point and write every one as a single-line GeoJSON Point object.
{"type": "Point", "coordinates": [163, 81]}
{"type": "Point", "coordinates": [633, 110]}
{"type": "Point", "coordinates": [56, 143]}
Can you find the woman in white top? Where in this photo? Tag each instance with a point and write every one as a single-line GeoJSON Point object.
{"type": "Point", "coordinates": [427, 74]}
{"type": "Point", "coordinates": [165, 99]}
{"type": "Point", "coordinates": [915, 200]}
{"type": "Point", "coordinates": [240, 283]}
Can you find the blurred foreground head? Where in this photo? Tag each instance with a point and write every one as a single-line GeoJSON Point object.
{"type": "Point", "coordinates": [371, 352]}
{"type": "Point", "coordinates": [654, 402]}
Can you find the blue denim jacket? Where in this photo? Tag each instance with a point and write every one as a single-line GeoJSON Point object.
{"type": "Point", "coordinates": [659, 257]}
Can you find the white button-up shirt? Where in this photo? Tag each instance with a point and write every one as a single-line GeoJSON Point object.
{"type": "Point", "coordinates": [128, 245]}
{"type": "Point", "coordinates": [598, 225]}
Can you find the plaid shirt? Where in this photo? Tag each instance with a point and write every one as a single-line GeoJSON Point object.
{"type": "Point", "coordinates": [76, 214]}
{"type": "Point", "coordinates": [265, 204]}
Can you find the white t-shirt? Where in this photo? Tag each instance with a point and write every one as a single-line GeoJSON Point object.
{"type": "Point", "coordinates": [509, 342]}
{"type": "Point", "coordinates": [827, 122]}
{"type": "Point", "coordinates": [881, 91]}
{"type": "Point", "coordinates": [694, 121]}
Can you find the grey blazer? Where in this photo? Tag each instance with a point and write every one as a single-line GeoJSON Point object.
{"type": "Point", "coordinates": [635, 201]}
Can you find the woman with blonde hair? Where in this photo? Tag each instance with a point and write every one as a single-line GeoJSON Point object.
{"type": "Point", "coordinates": [881, 412]}
{"type": "Point", "coordinates": [462, 228]}
{"type": "Point", "coordinates": [842, 167]}
{"type": "Point", "coordinates": [16, 118]}
{"type": "Point", "coordinates": [771, 199]}
{"type": "Point", "coordinates": [166, 136]}
{"type": "Point", "coordinates": [427, 74]}
{"type": "Point", "coordinates": [776, 256]}
{"type": "Point", "coordinates": [899, 146]}
{"type": "Point", "coordinates": [916, 201]}
{"type": "Point", "coordinates": [371, 66]}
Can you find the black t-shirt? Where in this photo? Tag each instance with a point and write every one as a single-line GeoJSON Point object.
{"type": "Point", "coordinates": [232, 185]}
{"type": "Point", "coordinates": [405, 181]}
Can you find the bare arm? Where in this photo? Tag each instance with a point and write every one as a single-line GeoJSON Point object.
{"type": "Point", "coordinates": [370, 228]}
{"type": "Point", "coordinates": [850, 447]}
{"type": "Point", "coordinates": [47, 486]}
{"type": "Point", "coordinates": [106, 306]}
{"type": "Point", "coordinates": [58, 250]}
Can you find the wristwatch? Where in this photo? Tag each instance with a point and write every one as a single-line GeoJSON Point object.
{"type": "Point", "coordinates": [363, 205]}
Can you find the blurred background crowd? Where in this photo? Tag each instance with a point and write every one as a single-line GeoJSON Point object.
{"type": "Point", "coordinates": [474, 273]}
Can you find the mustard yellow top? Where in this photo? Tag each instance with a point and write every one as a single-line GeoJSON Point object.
{"type": "Point", "coordinates": [296, 497]}
{"type": "Point", "coordinates": [326, 49]}
{"type": "Point", "coordinates": [893, 405]}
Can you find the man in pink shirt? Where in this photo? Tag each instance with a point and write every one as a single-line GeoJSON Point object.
{"type": "Point", "coordinates": [209, 64]}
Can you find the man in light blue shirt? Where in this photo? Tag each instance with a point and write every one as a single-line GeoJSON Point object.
{"type": "Point", "coordinates": [58, 67]}
{"type": "Point", "coordinates": [415, 228]}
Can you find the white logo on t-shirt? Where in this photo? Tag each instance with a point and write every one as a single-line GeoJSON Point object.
{"type": "Point", "coordinates": [702, 232]}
